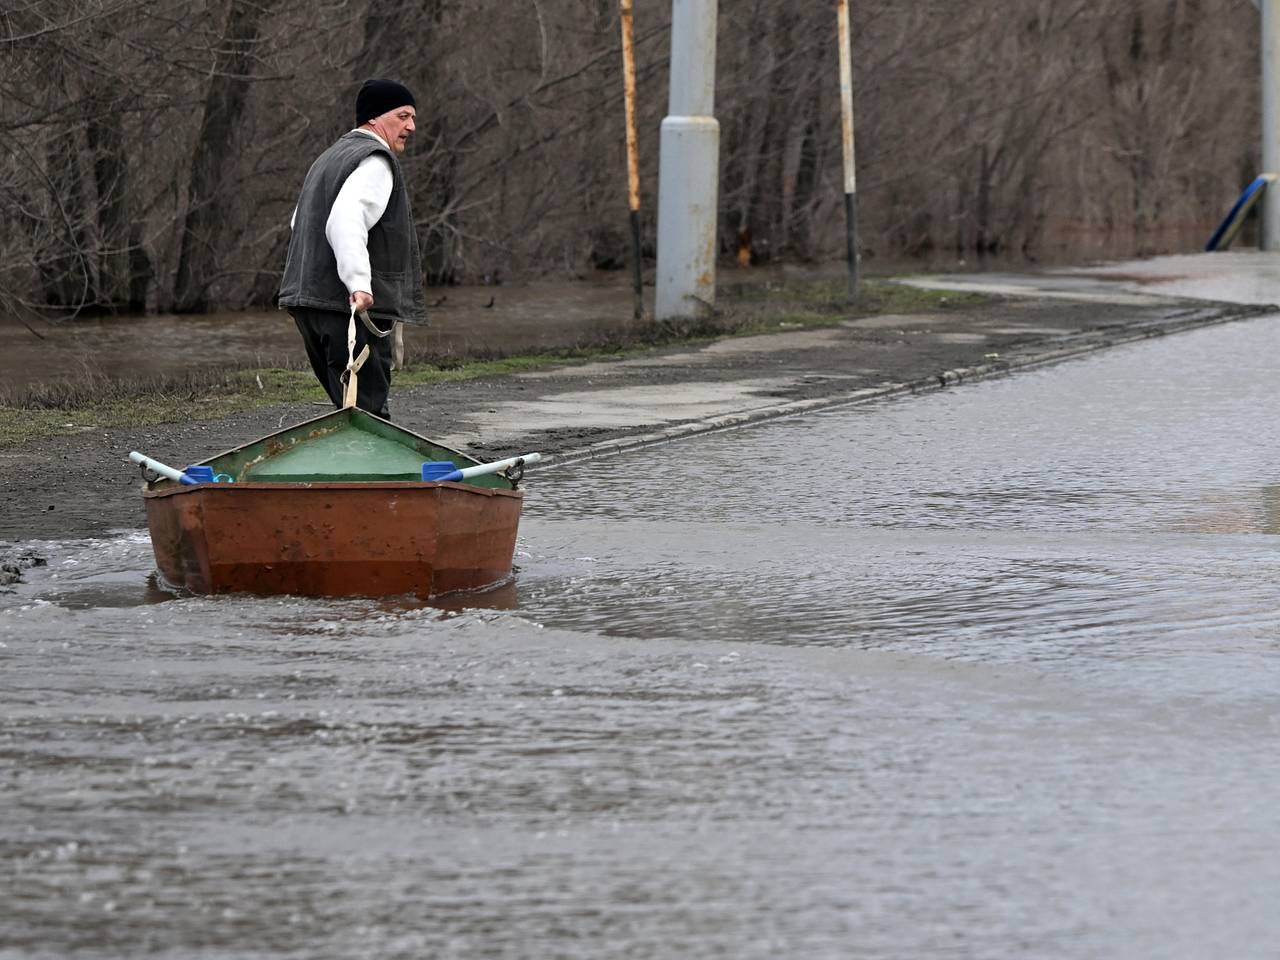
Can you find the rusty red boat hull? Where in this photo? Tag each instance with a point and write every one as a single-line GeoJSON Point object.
{"type": "Point", "coordinates": [333, 539]}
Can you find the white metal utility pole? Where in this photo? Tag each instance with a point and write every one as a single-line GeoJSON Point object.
{"type": "Point", "coordinates": [689, 167]}
{"type": "Point", "coordinates": [1271, 121]}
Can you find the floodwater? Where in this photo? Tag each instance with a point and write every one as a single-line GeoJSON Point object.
{"type": "Point", "coordinates": [984, 673]}
{"type": "Point", "coordinates": [495, 319]}
{"type": "Point", "coordinates": [475, 320]}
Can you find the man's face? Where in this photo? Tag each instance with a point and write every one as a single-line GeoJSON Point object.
{"type": "Point", "coordinates": [394, 126]}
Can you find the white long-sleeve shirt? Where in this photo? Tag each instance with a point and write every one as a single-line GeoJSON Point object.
{"type": "Point", "coordinates": [360, 204]}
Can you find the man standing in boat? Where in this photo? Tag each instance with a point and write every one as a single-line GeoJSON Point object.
{"type": "Point", "coordinates": [354, 244]}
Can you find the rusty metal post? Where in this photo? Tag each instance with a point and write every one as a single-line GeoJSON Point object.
{"type": "Point", "coordinates": [850, 173]}
{"type": "Point", "coordinates": [633, 154]}
{"type": "Point", "coordinates": [689, 167]}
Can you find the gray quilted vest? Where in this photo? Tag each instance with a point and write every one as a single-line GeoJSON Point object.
{"type": "Point", "coordinates": [310, 270]}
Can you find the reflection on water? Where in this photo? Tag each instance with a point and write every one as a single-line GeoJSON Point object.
{"type": "Point", "coordinates": [983, 673]}
{"type": "Point", "coordinates": [119, 572]}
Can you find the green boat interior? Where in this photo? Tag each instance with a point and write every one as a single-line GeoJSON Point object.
{"type": "Point", "coordinates": [342, 446]}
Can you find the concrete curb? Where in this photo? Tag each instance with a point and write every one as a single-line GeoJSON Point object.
{"type": "Point", "coordinates": [1063, 349]}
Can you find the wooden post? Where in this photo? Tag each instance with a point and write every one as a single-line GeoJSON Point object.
{"type": "Point", "coordinates": [850, 174]}
{"type": "Point", "coordinates": [633, 154]}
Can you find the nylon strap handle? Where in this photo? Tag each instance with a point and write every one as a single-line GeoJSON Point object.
{"type": "Point", "coordinates": [371, 326]}
{"type": "Point", "coordinates": [354, 363]}
{"type": "Point", "coordinates": [397, 345]}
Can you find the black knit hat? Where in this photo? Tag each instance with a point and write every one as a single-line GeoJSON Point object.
{"type": "Point", "coordinates": [376, 97]}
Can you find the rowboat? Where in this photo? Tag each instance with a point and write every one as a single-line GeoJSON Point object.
{"type": "Point", "coordinates": [335, 506]}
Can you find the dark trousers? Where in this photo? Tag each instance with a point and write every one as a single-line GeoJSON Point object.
{"type": "Point", "coordinates": [324, 333]}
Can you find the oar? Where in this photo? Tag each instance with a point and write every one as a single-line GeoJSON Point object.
{"type": "Point", "coordinates": [443, 470]}
{"type": "Point", "coordinates": [192, 475]}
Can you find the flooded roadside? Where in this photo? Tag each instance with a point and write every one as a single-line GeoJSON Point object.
{"type": "Point", "coordinates": [983, 673]}
{"type": "Point", "coordinates": [500, 320]}
{"type": "Point", "coordinates": [475, 320]}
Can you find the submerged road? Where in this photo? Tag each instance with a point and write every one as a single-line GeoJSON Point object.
{"type": "Point", "coordinates": [988, 672]}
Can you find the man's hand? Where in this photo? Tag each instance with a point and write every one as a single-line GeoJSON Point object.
{"type": "Point", "coordinates": [362, 300]}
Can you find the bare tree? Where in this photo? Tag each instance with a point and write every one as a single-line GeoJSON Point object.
{"type": "Point", "coordinates": [216, 146]}
{"type": "Point", "coordinates": [153, 149]}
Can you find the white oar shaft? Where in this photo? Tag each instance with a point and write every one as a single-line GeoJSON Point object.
{"type": "Point", "coordinates": [155, 466]}
{"type": "Point", "coordinates": [498, 465]}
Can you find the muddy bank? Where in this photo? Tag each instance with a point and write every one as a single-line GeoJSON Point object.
{"type": "Point", "coordinates": [82, 485]}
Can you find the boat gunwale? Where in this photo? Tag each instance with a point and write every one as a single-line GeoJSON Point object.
{"type": "Point", "coordinates": [303, 426]}
{"type": "Point", "coordinates": [167, 488]}
{"type": "Point", "coordinates": [346, 418]}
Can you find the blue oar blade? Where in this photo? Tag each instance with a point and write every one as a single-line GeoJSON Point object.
{"type": "Point", "coordinates": [440, 470]}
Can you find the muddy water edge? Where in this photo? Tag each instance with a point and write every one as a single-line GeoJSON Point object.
{"type": "Point", "coordinates": [463, 321]}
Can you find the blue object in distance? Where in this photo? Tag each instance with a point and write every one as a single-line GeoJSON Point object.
{"type": "Point", "coordinates": [1230, 226]}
